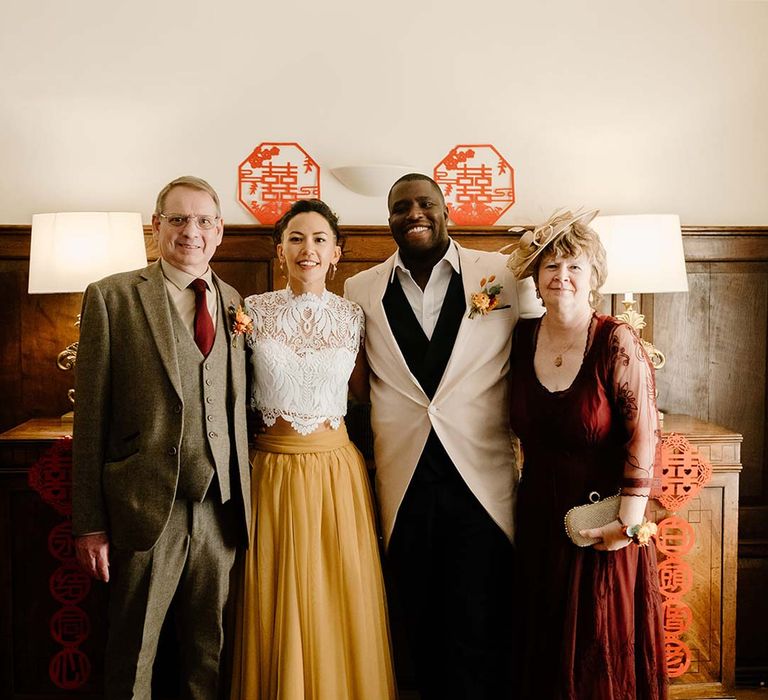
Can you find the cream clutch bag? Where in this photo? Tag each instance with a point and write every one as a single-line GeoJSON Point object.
{"type": "Point", "coordinates": [595, 514]}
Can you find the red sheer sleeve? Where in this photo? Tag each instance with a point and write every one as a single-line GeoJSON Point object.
{"type": "Point", "coordinates": [634, 392]}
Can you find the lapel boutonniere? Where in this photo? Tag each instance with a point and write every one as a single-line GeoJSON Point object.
{"type": "Point", "coordinates": [242, 323]}
{"type": "Point", "coordinates": [487, 299]}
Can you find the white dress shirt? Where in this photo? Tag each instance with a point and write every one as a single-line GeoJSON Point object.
{"type": "Point", "coordinates": [177, 283]}
{"type": "Point", "coordinates": [428, 303]}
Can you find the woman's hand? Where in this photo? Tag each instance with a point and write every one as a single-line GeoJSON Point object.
{"type": "Point", "coordinates": [611, 537]}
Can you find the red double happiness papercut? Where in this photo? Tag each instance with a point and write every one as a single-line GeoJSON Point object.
{"type": "Point", "coordinates": [683, 473]}
{"type": "Point", "coordinates": [69, 585]}
{"type": "Point", "coordinates": [51, 476]}
{"type": "Point", "coordinates": [273, 177]}
{"type": "Point", "coordinates": [478, 184]}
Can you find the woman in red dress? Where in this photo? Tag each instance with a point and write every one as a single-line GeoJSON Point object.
{"type": "Point", "coordinates": [583, 406]}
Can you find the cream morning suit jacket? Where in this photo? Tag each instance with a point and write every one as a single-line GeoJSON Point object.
{"type": "Point", "coordinates": [469, 411]}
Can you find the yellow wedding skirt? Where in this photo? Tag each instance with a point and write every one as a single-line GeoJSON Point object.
{"type": "Point", "coordinates": [312, 622]}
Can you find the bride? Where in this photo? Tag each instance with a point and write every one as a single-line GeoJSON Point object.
{"type": "Point", "coordinates": [313, 622]}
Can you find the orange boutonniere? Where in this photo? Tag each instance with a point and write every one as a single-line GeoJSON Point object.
{"type": "Point", "coordinates": [242, 323]}
{"type": "Point", "coordinates": [487, 299]}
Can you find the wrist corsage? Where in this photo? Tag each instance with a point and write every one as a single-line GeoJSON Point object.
{"type": "Point", "coordinates": [641, 534]}
{"type": "Point", "coordinates": [242, 323]}
{"type": "Point", "coordinates": [487, 299]}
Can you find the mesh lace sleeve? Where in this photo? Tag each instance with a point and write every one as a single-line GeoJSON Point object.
{"type": "Point", "coordinates": [634, 392]}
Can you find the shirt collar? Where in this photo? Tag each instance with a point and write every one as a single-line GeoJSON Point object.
{"type": "Point", "coordinates": [451, 257]}
{"type": "Point", "coordinates": [181, 279]}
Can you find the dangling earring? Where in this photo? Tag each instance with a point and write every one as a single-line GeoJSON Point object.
{"type": "Point", "coordinates": [282, 269]}
{"type": "Point", "coordinates": [333, 271]}
{"type": "Point", "coordinates": [538, 295]}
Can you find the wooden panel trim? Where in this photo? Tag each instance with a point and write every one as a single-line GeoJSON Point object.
{"type": "Point", "coordinates": [253, 242]}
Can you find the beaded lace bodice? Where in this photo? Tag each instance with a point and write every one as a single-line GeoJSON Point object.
{"type": "Point", "coordinates": [303, 352]}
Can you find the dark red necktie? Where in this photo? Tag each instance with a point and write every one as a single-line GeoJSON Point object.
{"type": "Point", "coordinates": [203, 322]}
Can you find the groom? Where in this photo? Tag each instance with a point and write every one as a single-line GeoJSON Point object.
{"type": "Point", "coordinates": [445, 469]}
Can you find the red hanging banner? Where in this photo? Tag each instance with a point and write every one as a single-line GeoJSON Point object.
{"type": "Point", "coordinates": [69, 585]}
{"type": "Point", "coordinates": [683, 473]}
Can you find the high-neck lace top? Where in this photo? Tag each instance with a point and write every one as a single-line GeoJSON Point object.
{"type": "Point", "coordinates": [303, 352]}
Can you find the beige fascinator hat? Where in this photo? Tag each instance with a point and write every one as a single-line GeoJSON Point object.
{"type": "Point", "coordinates": [533, 243]}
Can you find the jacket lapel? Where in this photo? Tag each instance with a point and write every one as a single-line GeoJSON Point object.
{"type": "Point", "coordinates": [468, 262]}
{"type": "Point", "coordinates": [154, 300]}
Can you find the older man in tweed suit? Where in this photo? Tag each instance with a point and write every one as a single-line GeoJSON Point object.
{"type": "Point", "coordinates": [161, 496]}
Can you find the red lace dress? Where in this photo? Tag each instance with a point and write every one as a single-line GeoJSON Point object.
{"type": "Point", "coordinates": [593, 619]}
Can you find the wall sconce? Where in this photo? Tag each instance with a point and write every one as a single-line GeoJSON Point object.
{"type": "Point", "coordinates": [70, 250]}
{"type": "Point", "coordinates": [645, 256]}
{"type": "Point", "coordinates": [370, 180]}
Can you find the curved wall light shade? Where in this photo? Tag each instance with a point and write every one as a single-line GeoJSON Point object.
{"type": "Point", "coordinates": [370, 180]}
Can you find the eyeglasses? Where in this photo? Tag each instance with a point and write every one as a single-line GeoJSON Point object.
{"type": "Point", "coordinates": [203, 221]}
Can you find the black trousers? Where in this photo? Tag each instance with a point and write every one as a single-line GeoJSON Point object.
{"type": "Point", "coordinates": [454, 570]}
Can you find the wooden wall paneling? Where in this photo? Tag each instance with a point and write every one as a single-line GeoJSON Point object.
{"type": "Point", "coordinates": [705, 599]}
{"type": "Point", "coordinates": [246, 277]}
{"type": "Point", "coordinates": [47, 327]}
{"type": "Point", "coordinates": [11, 384]}
{"type": "Point", "coordinates": [737, 359]}
{"type": "Point", "coordinates": [681, 332]}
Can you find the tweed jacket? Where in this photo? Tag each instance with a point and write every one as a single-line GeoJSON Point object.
{"type": "Point", "coordinates": [469, 410]}
{"type": "Point", "coordinates": [128, 418]}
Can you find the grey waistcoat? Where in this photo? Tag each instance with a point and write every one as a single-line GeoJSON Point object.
{"type": "Point", "coordinates": [205, 441]}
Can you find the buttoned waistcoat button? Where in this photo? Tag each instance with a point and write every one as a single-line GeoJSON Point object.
{"type": "Point", "coordinates": [172, 451]}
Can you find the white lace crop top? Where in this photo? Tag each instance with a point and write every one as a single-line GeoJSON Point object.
{"type": "Point", "coordinates": [303, 352]}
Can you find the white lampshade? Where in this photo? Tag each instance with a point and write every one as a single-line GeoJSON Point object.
{"type": "Point", "coordinates": [72, 249]}
{"type": "Point", "coordinates": [644, 253]}
{"type": "Point", "coordinates": [370, 180]}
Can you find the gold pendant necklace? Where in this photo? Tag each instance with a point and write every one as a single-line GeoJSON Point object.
{"type": "Point", "coordinates": [559, 356]}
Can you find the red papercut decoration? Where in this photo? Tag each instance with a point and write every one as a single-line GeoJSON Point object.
{"type": "Point", "coordinates": [51, 477]}
{"type": "Point", "coordinates": [273, 177]}
{"type": "Point", "coordinates": [678, 657]}
{"type": "Point", "coordinates": [675, 577]}
{"type": "Point", "coordinates": [683, 472]}
{"type": "Point", "coordinates": [677, 616]}
{"type": "Point", "coordinates": [69, 668]}
{"type": "Point", "coordinates": [478, 184]}
{"type": "Point", "coordinates": [70, 626]}
{"type": "Point", "coordinates": [60, 543]}
{"type": "Point", "coordinates": [675, 536]}
{"type": "Point", "coordinates": [69, 584]}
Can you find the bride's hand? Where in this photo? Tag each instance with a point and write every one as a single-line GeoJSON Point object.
{"type": "Point", "coordinates": [611, 537]}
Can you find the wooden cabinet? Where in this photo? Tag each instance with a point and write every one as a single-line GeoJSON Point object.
{"type": "Point", "coordinates": [33, 573]}
{"type": "Point", "coordinates": [26, 567]}
{"type": "Point", "coordinates": [714, 516]}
